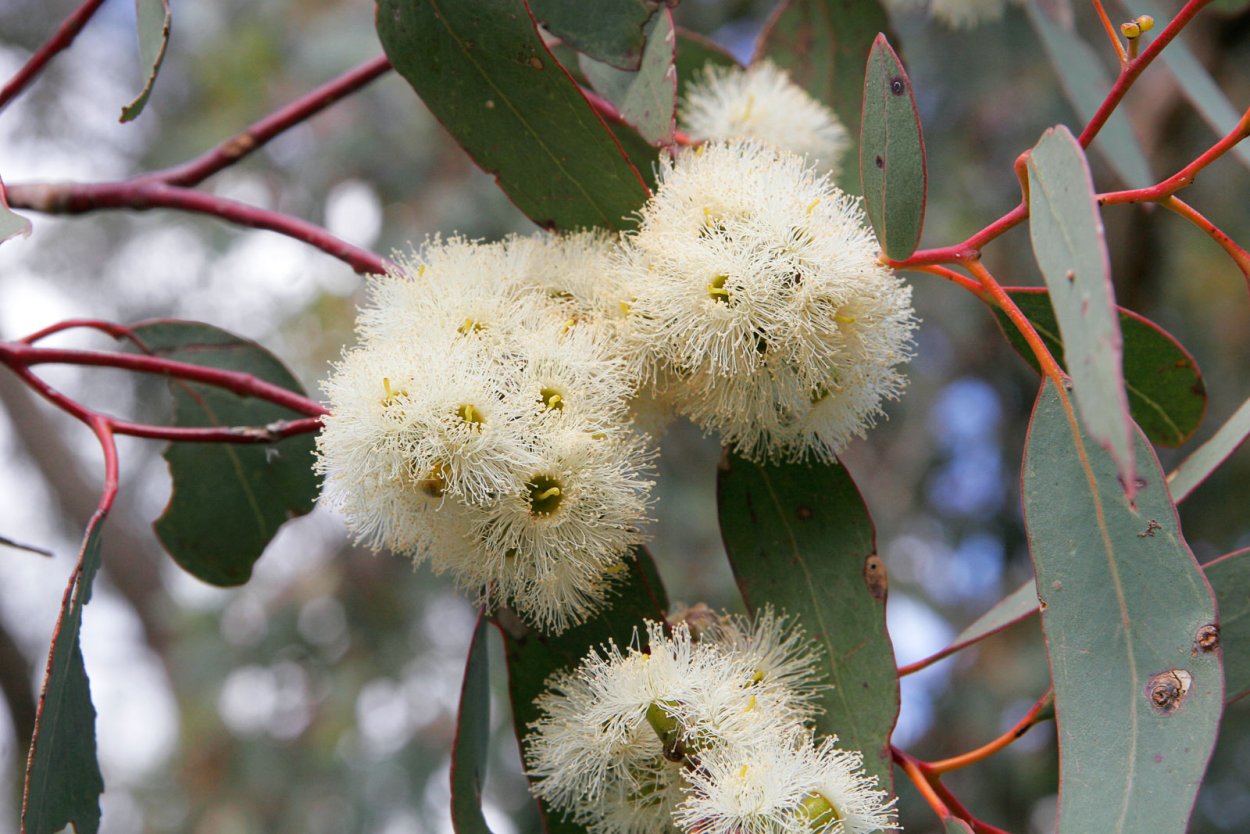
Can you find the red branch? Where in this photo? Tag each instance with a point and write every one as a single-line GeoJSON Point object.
{"type": "Point", "coordinates": [141, 195]}
{"type": "Point", "coordinates": [1133, 68]}
{"type": "Point", "coordinates": [60, 40]}
{"type": "Point", "coordinates": [259, 133]}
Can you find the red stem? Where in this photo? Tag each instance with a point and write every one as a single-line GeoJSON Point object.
{"type": "Point", "coordinates": [986, 750]}
{"type": "Point", "coordinates": [141, 195]}
{"type": "Point", "coordinates": [1133, 68]}
{"type": "Point", "coordinates": [20, 356]}
{"type": "Point", "coordinates": [259, 133]}
{"type": "Point", "coordinates": [609, 112]}
{"type": "Point", "coordinates": [117, 331]}
{"type": "Point", "coordinates": [60, 40]}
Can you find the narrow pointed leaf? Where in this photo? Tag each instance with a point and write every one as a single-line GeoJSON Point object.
{"type": "Point", "coordinates": [1230, 578]}
{"type": "Point", "coordinates": [485, 73]}
{"type": "Point", "coordinates": [470, 751]}
{"type": "Point", "coordinates": [1066, 230]}
{"type": "Point", "coordinates": [799, 537]}
{"type": "Point", "coordinates": [647, 97]}
{"type": "Point", "coordinates": [1167, 396]}
{"type": "Point", "coordinates": [63, 781]}
{"type": "Point", "coordinates": [1016, 606]}
{"type": "Point", "coordinates": [1086, 83]}
{"type": "Point", "coordinates": [611, 31]}
{"type": "Point", "coordinates": [532, 656]}
{"type": "Point", "coordinates": [1124, 604]}
{"type": "Point", "coordinates": [1207, 458]}
{"type": "Point", "coordinates": [824, 45]}
{"type": "Point", "coordinates": [694, 52]}
{"type": "Point", "coordinates": [228, 500]}
{"type": "Point", "coordinates": [891, 154]}
{"type": "Point", "coordinates": [1195, 82]}
{"type": "Point", "coordinates": [153, 18]}
{"type": "Point", "coordinates": [11, 224]}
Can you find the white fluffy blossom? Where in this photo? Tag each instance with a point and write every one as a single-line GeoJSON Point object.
{"type": "Point", "coordinates": [483, 426]}
{"type": "Point", "coordinates": [762, 103]}
{"type": "Point", "coordinates": [619, 735]}
{"type": "Point", "coordinates": [759, 291]}
{"type": "Point", "coordinates": [786, 786]}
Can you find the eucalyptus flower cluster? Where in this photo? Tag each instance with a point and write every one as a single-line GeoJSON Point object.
{"type": "Point", "coordinates": [481, 424]}
{"type": "Point", "coordinates": [493, 418]}
{"type": "Point", "coordinates": [706, 730]}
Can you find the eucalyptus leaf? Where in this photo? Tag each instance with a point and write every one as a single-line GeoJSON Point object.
{"type": "Point", "coordinates": [1065, 227]}
{"type": "Point", "coordinates": [891, 154]}
{"type": "Point", "coordinates": [800, 538]}
{"type": "Point", "coordinates": [485, 73]}
{"type": "Point", "coordinates": [1138, 697]}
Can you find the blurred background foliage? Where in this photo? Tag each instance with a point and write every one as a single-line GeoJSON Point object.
{"type": "Point", "coordinates": [321, 696]}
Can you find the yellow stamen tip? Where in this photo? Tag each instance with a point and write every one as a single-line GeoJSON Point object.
{"type": "Point", "coordinates": [841, 319]}
{"type": "Point", "coordinates": [812, 206]}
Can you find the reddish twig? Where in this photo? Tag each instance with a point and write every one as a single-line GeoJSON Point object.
{"type": "Point", "coordinates": [1003, 301]}
{"type": "Point", "coordinates": [60, 40]}
{"type": "Point", "coordinates": [1130, 70]}
{"type": "Point", "coordinates": [117, 331]}
{"type": "Point", "coordinates": [1112, 34]}
{"type": "Point", "coordinates": [1239, 255]}
{"type": "Point", "coordinates": [938, 796]}
{"type": "Point", "coordinates": [19, 355]}
{"type": "Point", "coordinates": [1033, 717]}
{"type": "Point", "coordinates": [141, 195]}
{"type": "Point", "coordinates": [954, 277]}
{"type": "Point", "coordinates": [259, 133]}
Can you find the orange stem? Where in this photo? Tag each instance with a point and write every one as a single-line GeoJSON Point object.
{"type": "Point", "coordinates": [1111, 32]}
{"type": "Point", "coordinates": [1031, 718]}
{"type": "Point", "coordinates": [1003, 301]}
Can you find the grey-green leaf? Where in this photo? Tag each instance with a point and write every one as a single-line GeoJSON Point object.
{"type": "Point", "coordinates": [228, 500]}
{"type": "Point", "coordinates": [1086, 82]}
{"type": "Point", "coordinates": [891, 154]}
{"type": "Point", "coordinates": [63, 781]}
{"type": "Point", "coordinates": [153, 19]}
{"type": "Point", "coordinates": [1066, 230]}
{"type": "Point", "coordinates": [1196, 468]}
{"type": "Point", "coordinates": [800, 538]}
{"type": "Point", "coordinates": [470, 750]}
{"type": "Point", "coordinates": [485, 73]}
{"type": "Point", "coordinates": [1230, 579]}
{"type": "Point", "coordinates": [611, 31]}
{"type": "Point", "coordinates": [646, 97]}
{"type": "Point", "coordinates": [1124, 605]}
{"type": "Point", "coordinates": [1166, 393]}
{"type": "Point", "coordinates": [1016, 606]}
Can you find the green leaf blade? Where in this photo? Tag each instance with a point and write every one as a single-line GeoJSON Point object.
{"type": "Point", "coordinates": [800, 538]}
{"type": "Point", "coordinates": [647, 97]}
{"type": "Point", "coordinates": [485, 73]}
{"type": "Point", "coordinates": [11, 223]}
{"type": "Point", "coordinates": [1066, 230]}
{"type": "Point", "coordinates": [469, 751]}
{"type": "Point", "coordinates": [228, 500]}
{"type": "Point", "coordinates": [1086, 83]}
{"type": "Point", "coordinates": [891, 154]}
{"type": "Point", "coordinates": [153, 18]}
{"type": "Point", "coordinates": [63, 780]}
{"type": "Point", "coordinates": [1123, 601]}
{"type": "Point", "coordinates": [610, 31]}
{"type": "Point", "coordinates": [1167, 396]}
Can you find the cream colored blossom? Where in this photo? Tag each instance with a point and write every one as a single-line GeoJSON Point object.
{"type": "Point", "coordinates": [785, 786]}
{"type": "Point", "coordinates": [762, 103]}
{"type": "Point", "coordinates": [759, 293]}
